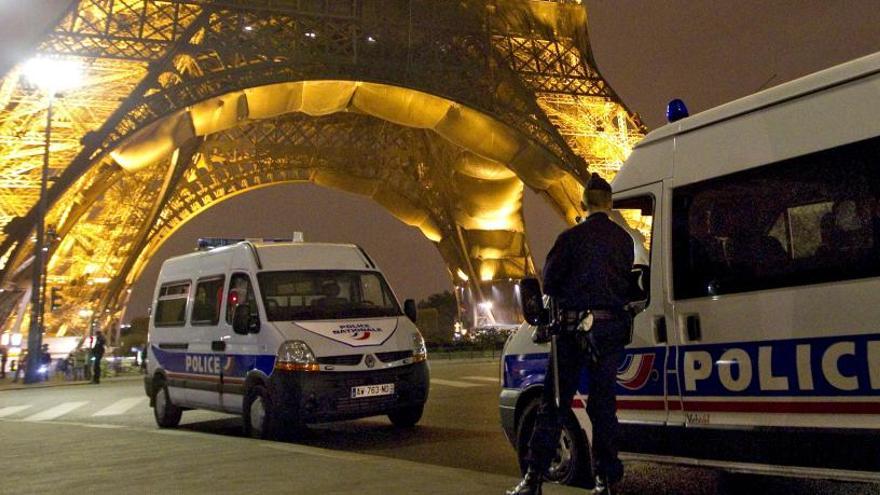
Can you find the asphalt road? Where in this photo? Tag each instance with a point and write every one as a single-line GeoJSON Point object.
{"type": "Point", "coordinates": [58, 434]}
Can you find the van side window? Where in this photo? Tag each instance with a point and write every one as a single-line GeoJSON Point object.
{"type": "Point", "coordinates": [638, 213]}
{"type": "Point", "coordinates": [806, 220]}
{"type": "Point", "coordinates": [207, 301]}
{"type": "Point", "coordinates": [241, 291]}
{"type": "Point", "coordinates": [171, 305]}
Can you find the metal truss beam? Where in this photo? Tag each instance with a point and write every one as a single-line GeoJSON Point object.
{"type": "Point", "coordinates": [526, 64]}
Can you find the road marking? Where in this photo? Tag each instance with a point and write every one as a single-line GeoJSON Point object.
{"type": "Point", "coordinates": [57, 411]}
{"type": "Point", "coordinates": [120, 407]}
{"type": "Point", "coordinates": [453, 383]}
{"type": "Point", "coordinates": [491, 379]}
{"type": "Point", "coordinates": [9, 411]}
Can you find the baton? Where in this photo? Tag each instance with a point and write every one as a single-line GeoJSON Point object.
{"type": "Point", "coordinates": [554, 358]}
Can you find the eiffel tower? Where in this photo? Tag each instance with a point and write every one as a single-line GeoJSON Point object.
{"type": "Point", "coordinates": [442, 111]}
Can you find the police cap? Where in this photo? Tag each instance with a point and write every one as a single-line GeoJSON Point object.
{"type": "Point", "coordinates": [597, 183]}
{"type": "Point", "coordinates": [597, 192]}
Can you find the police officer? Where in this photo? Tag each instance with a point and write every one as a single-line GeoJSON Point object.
{"type": "Point", "coordinates": [97, 355]}
{"type": "Point", "coordinates": [588, 274]}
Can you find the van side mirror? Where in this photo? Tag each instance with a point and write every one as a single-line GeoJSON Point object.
{"type": "Point", "coordinates": [532, 301]}
{"type": "Point", "coordinates": [640, 283]}
{"type": "Point", "coordinates": [409, 309]}
{"type": "Point", "coordinates": [242, 321]}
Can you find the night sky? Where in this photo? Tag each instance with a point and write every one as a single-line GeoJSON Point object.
{"type": "Point", "coordinates": [706, 52]}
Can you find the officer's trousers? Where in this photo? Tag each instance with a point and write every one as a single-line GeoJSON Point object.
{"type": "Point", "coordinates": [600, 354]}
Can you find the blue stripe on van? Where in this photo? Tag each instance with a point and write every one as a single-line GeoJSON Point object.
{"type": "Point", "coordinates": [207, 364]}
{"type": "Point", "coordinates": [640, 372]}
{"type": "Point", "coordinates": [838, 366]}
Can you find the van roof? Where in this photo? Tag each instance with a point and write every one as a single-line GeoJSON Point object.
{"type": "Point", "coordinates": [817, 81]}
{"type": "Point", "coordinates": [292, 255]}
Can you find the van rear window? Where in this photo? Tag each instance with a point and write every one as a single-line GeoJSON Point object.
{"type": "Point", "coordinates": [171, 304]}
{"type": "Point", "coordinates": [807, 220]}
{"type": "Point", "coordinates": [325, 295]}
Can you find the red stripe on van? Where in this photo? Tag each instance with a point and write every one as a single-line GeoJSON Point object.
{"type": "Point", "coordinates": [784, 407]}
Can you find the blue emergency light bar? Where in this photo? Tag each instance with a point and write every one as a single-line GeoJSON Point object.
{"type": "Point", "coordinates": [676, 110]}
{"type": "Point", "coordinates": [208, 243]}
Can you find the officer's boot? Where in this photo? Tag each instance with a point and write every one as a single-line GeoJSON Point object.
{"type": "Point", "coordinates": [529, 485]}
{"type": "Point", "coordinates": [603, 487]}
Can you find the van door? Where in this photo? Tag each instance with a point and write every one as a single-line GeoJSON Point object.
{"type": "Point", "coordinates": [642, 378]}
{"type": "Point", "coordinates": [170, 336]}
{"type": "Point", "coordinates": [776, 275]}
{"type": "Point", "coordinates": [204, 358]}
{"type": "Point", "coordinates": [242, 352]}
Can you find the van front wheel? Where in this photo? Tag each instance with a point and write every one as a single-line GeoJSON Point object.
{"type": "Point", "coordinates": [257, 413]}
{"type": "Point", "coordinates": [167, 414]}
{"type": "Point", "coordinates": [407, 416]}
{"type": "Point", "coordinates": [571, 464]}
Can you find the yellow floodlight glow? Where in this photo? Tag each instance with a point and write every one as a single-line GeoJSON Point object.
{"type": "Point", "coordinates": [85, 313]}
{"type": "Point", "coordinates": [487, 272]}
{"type": "Point", "coordinates": [53, 75]}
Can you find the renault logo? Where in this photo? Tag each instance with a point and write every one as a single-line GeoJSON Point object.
{"type": "Point", "coordinates": [370, 361]}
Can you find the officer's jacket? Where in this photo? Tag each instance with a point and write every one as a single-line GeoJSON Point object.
{"type": "Point", "coordinates": [589, 266]}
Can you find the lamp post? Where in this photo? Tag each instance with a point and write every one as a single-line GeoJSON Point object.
{"type": "Point", "coordinates": [51, 76]}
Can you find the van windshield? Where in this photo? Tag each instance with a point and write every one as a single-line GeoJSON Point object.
{"type": "Point", "coordinates": [325, 295]}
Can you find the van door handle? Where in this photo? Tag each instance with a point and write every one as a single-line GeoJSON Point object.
{"type": "Point", "coordinates": [218, 345]}
{"type": "Point", "coordinates": [692, 324]}
{"type": "Point", "coordinates": [660, 329]}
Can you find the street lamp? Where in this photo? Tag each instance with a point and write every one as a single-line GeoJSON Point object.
{"type": "Point", "coordinates": [51, 76]}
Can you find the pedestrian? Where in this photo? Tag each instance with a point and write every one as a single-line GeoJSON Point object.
{"type": "Point", "coordinates": [587, 274]}
{"type": "Point", "coordinates": [97, 355]}
{"type": "Point", "coordinates": [19, 366]}
{"type": "Point", "coordinates": [45, 362]}
{"type": "Point", "coordinates": [4, 354]}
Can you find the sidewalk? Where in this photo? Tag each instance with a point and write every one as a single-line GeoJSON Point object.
{"type": "Point", "coordinates": [152, 460]}
{"type": "Point", "coordinates": [56, 381]}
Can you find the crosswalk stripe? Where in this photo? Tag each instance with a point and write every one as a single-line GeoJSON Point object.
{"type": "Point", "coordinates": [454, 383]}
{"type": "Point", "coordinates": [491, 379]}
{"type": "Point", "coordinates": [55, 412]}
{"type": "Point", "coordinates": [9, 411]}
{"type": "Point", "coordinates": [120, 407]}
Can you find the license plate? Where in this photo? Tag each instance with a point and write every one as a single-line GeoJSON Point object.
{"type": "Point", "coordinates": [372, 390]}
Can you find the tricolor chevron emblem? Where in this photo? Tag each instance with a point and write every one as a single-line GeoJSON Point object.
{"type": "Point", "coordinates": [635, 371]}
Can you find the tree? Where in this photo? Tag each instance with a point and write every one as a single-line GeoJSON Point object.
{"type": "Point", "coordinates": [136, 334]}
{"type": "Point", "coordinates": [439, 329]}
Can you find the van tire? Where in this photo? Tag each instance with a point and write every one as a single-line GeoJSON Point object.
{"type": "Point", "coordinates": [406, 417]}
{"type": "Point", "coordinates": [572, 466]}
{"type": "Point", "coordinates": [166, 413]}
{"type": "Point", "coordinates": [257, 413]}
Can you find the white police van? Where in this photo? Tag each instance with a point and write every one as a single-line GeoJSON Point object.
{"type": "Point", "coordinates": [285, 334]}
{"type": "Point", "coordinates": [758, 348]}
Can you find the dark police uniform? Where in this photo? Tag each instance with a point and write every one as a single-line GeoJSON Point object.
{"type": "Point", "coordinates": [588, 269]}
{"type": "Point", "coordinates": [97, 355]}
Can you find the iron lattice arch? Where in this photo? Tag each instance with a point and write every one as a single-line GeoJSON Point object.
{"type": "Point", "coordinates": [442, 111]}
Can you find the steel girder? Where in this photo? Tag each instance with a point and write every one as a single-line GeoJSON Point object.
{"type": "Point", "coordinates": [525, 65]}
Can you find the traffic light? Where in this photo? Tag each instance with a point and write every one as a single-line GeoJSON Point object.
{"type": "Point", "coordinates": [55, 300]}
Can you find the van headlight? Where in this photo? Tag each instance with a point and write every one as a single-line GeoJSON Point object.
{"type": "Point", "coordinates": [295, 355]}
{"type": "Point", "coordinates": [420, 352]}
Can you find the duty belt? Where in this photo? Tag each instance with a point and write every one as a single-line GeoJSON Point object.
{"type": "Point", "coordinates": [572, 320]}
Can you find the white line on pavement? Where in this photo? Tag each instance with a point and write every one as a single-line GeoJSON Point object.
{"type": "Point", "coordinates": [120, 407]}
{"type": "Point", "coordinates": [9, 411]}
{"type": "Point", "coordinates": [491, 379]}
{"type": "Point", "coordinates": [453, 383]}
{"type": "Point", "coordinates": [55, 412]}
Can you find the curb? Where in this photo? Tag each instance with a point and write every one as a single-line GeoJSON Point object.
{"type": "Point", "coordinates": [22, 386]}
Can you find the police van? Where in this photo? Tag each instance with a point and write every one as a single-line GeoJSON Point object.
{"type": "Point", "coordinates": [757, 348]}
{"type": "Point", "coordinates": [284, 334]}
